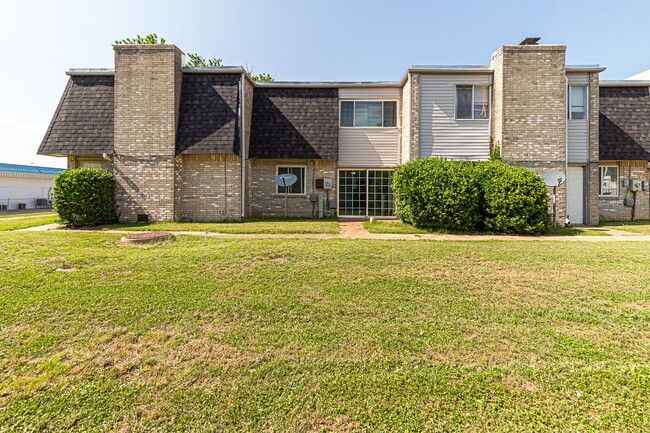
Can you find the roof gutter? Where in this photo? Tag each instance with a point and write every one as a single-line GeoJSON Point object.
{"type": "Point", "coordinates": [624, 83]}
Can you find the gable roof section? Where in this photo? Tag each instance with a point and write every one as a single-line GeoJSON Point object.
{"type": "Point", "coordinates": [624, 131]}
{"type": "Point", "coordinates": [207, 121]}
{"type": "Point", "coordinates": [295, 123]}
{"type": "Point", "coordinates": [83, 121]}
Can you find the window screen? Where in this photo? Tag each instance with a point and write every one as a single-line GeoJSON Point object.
{"type": "Point", "coordinates": [296, 188]}
{"type": "Point", "coordinates": [463, 102]}
{"type": "Point", "coordinates": [578, 102]}
{"type": "Point", "coordinates": [609, 180]}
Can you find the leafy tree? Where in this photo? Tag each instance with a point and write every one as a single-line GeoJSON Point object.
{"type": "Point", "coordinates": [263, 77]}
{"type": "Point", "coordinates": [197, 61]}
{"type": "Point", "coordinates": [150, 39]}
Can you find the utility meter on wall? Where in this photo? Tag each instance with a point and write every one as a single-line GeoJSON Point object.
{"type": "Point", "coordinates": [327, 183]}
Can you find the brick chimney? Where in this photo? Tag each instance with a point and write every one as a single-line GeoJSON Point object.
{"type": "Point", "coordinates": [529, 107]}
{"type": "Point", "coordinates": [147, 95]}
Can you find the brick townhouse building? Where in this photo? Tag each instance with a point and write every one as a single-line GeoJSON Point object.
{"type": "Point", "coordinates": [205, 144]}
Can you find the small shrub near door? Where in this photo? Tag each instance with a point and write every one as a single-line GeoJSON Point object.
{"type": "Point", "coordinates": [85, 197]}
{"type": "Point", "coordinates": [436, 194]}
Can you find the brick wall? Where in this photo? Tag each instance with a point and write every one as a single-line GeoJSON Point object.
{"type": "Point", "coordinates": [208, 187]}
{"type": "Point", "coordinates": [529, 98]}
{"type": "Point", "coordinates": [415, 116]}
{"type": "Point", "coordinates": [613, 208]}
{"type": "Point", "coordinates": [147, 94]}
{"type": "Point", "coordinates": [592, 169]}
{"type": "Point", "coordinates": [266, 202]}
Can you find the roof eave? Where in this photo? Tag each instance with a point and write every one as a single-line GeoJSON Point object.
{"type": "Point", "coordinates": [624, 83]}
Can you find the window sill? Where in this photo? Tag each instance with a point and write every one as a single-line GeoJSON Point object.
{"type": "Point", "coordinates": [609, 197]}
{"type": "Point", "coordinates": [277, 194]}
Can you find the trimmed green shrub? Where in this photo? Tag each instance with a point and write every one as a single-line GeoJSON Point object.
{"type": "Point", "coordinates": [85, 197]}
{"type": "Point", "coordinates": [513, 199]}
{"type": "Point", "coordinates": [436, 194]}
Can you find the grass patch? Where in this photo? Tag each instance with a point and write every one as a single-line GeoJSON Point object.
{"type": "Point", "coordinates": [639, 226]}
{"type": "Point", "coordinates": [27, 215]}
{"type": "Point", "coordinates": [394, 227]}
{"type": "Point", "coordinates": [7, 224]}
{"type": "Point", "coordinates": [205, 334]}
{"type": "Point", "coordinates": [249, 226]}
{"type": "Point", "coordinates": [398, 227]}
{"type": "Point", "coordinates": [576, 231]}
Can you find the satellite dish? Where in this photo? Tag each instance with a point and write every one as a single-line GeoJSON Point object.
{"type": "Point", "coordinates": [553, 178]}
{"type": "Point", "coordinates": [286, 179]}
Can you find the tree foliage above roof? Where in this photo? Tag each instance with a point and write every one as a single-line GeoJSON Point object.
{"type": "Point", "coordinates": [150, 39]}
{"type": "Point", "coordinates": [196, 60]}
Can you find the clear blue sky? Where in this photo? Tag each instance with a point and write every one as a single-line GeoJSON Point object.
{"type": "Point", "coordinates": [336, 40]}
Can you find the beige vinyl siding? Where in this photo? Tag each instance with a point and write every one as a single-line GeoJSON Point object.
{"type": "Point", "coordinates": [369, 147]}
{"type": "Point", "coordinates": [370, 93]}
{"type": "Point", "coordinates": [578, 78]}
{"type": "Point", "coordinates": [578, 141]}
{"type": "Point", "coordinates": [440, 133]}
{"type": "Point", "coordinates": [578, 129]}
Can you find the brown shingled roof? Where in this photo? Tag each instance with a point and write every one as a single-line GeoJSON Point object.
{"type": "Point", "coordinates": [298, 123]}
{"type": "Point", "coordinates": [83, 121]}
{"type": "Point", "coordinates": [624, 131]}
{"type": "Point", "coordinates": [207, 121]}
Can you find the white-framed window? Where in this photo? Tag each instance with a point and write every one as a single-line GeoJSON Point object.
{"type": "Point", "coordinates": [577, 102]}
{"type": "Point", "coordinates": [472, 102]}
{"type": "Point", "coordinates": [301, 173]}
{"type": "Point", "coordinates": [368, 114]}
{"type": "Point", "coordinates": [609, 180]}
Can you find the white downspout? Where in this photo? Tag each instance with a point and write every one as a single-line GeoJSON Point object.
{"type": "Point", "coordinates": [242, 146]}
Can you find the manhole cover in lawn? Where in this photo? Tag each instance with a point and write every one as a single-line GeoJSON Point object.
{"type": "Point", "coordinates": [141, 238]}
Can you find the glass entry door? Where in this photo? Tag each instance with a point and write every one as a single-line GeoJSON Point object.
{"type": "Point", "coordinates": [366, 193]}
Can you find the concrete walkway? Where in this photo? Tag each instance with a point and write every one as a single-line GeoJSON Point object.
{"type": "Point", "coordinates": [355, 230]}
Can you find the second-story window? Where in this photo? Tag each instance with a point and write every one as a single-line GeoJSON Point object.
{"type": "Point", "coordinates": [368, 114]}
{"type": "Point", "coordinates": [577, 102]}
{"type": "Point", "coordinates": [472, 102]}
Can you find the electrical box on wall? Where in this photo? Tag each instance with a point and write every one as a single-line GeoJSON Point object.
{"type": "Point", "coordinates": [635, 185]}
{"type": "Point", "coordinates": [625, 183]}
{"type": "Point", "coordinates": [644, 185]}
{"type": "Point", "coordinates": [324, 183]}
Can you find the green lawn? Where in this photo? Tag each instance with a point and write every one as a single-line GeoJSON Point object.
{"type": "Point", "coordinates": [395, 227]}
{"type": "Point", "coordinates": [27, 215]}
{"type": "Point", "coordinates": [251, 226]}
{"type": "Point", "coordinates": [398, 227]}
{"type": "Point", "coordinates": [205, 334]}
{"type": "Point", "coordinates": [23, 222]}
{"type": "Point", "coordinates": [639, 226]}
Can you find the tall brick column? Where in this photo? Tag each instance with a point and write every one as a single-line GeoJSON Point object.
{"type": "Point", "coordinates": [529, 108]}
{"type": "Point", "coordinates": [147, 95]}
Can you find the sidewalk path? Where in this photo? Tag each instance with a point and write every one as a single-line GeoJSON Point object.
{"type": "Point", "coordinates": [355, 230]}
